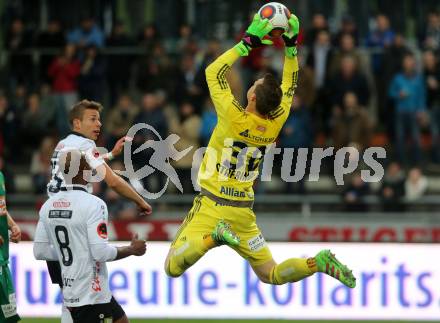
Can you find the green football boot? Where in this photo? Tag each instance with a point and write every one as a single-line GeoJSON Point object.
{"type": "Point", "coordinates": [327, 263]}
{"type": "Point", "coordinates": [223, 234]}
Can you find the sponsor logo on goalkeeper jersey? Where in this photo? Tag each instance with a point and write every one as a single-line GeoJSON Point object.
{"type": "Point", "coordinates": [257, 243]}
{"type": "Point", "coordinates": [240, 175]}
{"type": "Point", "coordinates": [230, 191]}
{"type": "Point", "coordinates": [259, 139]}
{"type": "Point", "coordinates": [261, 128]}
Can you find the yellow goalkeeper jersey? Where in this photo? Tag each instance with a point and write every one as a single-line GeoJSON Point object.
{"type": "Point", "coordinates": [231, 161]}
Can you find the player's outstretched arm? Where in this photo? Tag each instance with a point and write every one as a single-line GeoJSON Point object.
{"type": "Point", "coordinates": [290, 70]}
{"type": "Point", "coordinates": [291, 37]}
{"type": "Point", "coordinates": [118, 184]}
{"type": "Point", "coordinates": [216, 72]}
{"type": "Point", "coordinates": [104, 252]}
{"type": "Point", "coordinates": [112, 179]}
{"type": "Point", "coordinates": [253, 37]}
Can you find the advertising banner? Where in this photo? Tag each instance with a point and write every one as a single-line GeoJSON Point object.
{"type": "Point", "coordinates": [286, 229]}
{"type": "Point", "coordinates": [394, 281]}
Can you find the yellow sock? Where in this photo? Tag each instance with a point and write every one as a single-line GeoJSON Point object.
{"type": "Point", "coordinates": [187, 255]}
{"type": "Point", "coordinates": [293, 270]}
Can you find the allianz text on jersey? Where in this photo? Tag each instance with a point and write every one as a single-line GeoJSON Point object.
{"type": "Point", "coordinates": [395, 281]}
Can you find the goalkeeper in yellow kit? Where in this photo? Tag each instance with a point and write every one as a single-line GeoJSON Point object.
{"type": "Point", "coordinates": [222, 213]}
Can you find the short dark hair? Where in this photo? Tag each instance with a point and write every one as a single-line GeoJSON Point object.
{"type": "Point", "coordinates": [78, 109]}
{"type": "Point", "coordinates": [268, 95]}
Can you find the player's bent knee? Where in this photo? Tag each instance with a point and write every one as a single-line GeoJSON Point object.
{"type": "Point", "coordinates": [171, 271]}
{"type": "Point", "coordinates": [264, 277]}
{"type": "Point", "coordinates": [264, 271]}
{"type": "Point", "coordinates": [173, 274]}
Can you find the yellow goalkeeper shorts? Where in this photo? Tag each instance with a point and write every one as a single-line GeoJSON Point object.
{"type": "Point", "coordinates": [205, 214]}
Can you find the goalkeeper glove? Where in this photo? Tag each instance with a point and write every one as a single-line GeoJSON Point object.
{"type": "Point", "coordinates": [291, 36]}
{"type": "Point", "coordinates": [253, 36]}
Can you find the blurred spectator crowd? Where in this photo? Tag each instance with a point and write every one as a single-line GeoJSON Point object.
{"type": "Point", "coordinates": [382, 90]}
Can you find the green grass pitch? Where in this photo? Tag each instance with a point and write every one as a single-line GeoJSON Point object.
{"type": "Point", "coordinates": [28, 320]}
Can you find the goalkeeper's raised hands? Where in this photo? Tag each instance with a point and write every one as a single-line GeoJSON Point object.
{"type": "Point", "coordinates": [254, 35]}
{"type": "Point", "coordinates": [291, 36]}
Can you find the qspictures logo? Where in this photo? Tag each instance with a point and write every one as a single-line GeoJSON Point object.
{"type": "Point", "coordinates": [239, 161]}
